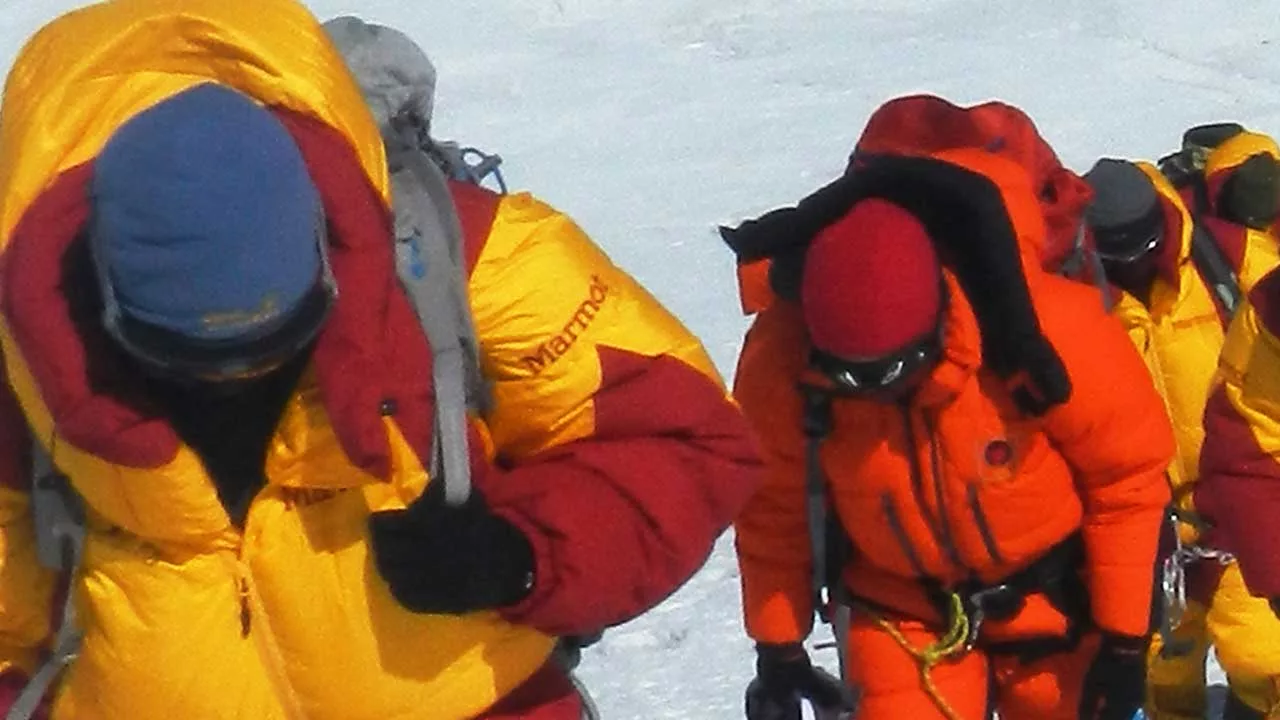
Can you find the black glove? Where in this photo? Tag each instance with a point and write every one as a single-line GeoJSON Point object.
{"type": "Point", "coordinates": [439, 558]}
{"type": "Point", "coordinates": [784, 677]}
{"type": "Point", "coordinates": [1116, 682]}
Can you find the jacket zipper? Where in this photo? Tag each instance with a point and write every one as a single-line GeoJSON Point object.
{"type": "Point", "coordinates": [251, 609]}
{"type": "Point", "coordinates": [246, 611]}
{"type": "Point", "coordinates": [936, 528]}
{"type": "Point", "coordinates": [900, 533]}
{"type": "Point", "coordinates": [984, 526]}
{"type": "Point", "coordinates": [940, 495]}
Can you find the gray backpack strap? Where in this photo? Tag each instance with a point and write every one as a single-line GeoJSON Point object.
{"type": "Point", "coordinates": [1083, 263]}
{"type": "Point", "coordinates": [589, 709]}
{"type": "Point", "coordinates": [567, 655]}
{"type": "Point", "coordinates": [428, 234]}
{"type": "Point", "coordinates": [398, 83]}
{"type": "Point", "coordinates": [56, 511]}
{"type": "Point", "coordinates": [1215, 269]}
{"type": "Point", "coordinates": [59, 526]}
{"type": "Point", "coordinates": [66, 646]}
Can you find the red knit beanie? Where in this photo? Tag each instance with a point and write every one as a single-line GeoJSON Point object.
{"type": "Point", "coordinates": [871, 282]}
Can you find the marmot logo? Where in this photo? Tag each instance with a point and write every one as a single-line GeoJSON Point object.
{"type": "Point", "coordinates": [306, 497]}
{"type": "Point", "coordinates": [554, 348]}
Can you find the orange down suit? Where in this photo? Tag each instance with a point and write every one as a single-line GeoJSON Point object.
{"type": "Point", "coordinates": [956, 484]}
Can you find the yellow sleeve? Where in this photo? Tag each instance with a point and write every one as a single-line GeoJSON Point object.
{"type": "Point", "coordinates": [1261, 256]}
{"type": "Point", "coordinates": [545, 299]}
{"type": "Point", "coordinates": [1140, 328]}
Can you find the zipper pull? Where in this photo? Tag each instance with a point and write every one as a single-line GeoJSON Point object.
{"type": "Point", "coordinates": [246, 616]}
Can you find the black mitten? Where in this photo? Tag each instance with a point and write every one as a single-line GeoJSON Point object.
{"type": "Point", "coordinates": [439, 558]}
{"type": "Point", "coordinates": [785, 677]}
{"type": "Point", "coordinates": [1116, 682]}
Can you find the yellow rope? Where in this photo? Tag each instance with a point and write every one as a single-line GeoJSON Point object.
{"type": "Point", "coordinates": [952, 643]}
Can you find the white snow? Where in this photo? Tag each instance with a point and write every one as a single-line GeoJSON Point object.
{"type": "Point", "coordinates": [652, 120]}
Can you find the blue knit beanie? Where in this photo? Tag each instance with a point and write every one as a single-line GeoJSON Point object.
{"type": "Point", "coordinates": [206, 223]}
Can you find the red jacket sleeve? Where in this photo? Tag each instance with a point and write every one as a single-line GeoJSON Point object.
{"type": "Point", "coordinates": [618, 521]}
{"type": "Point", "coordinates": [621, 455]}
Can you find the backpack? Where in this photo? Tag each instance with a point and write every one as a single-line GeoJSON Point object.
{"type": "Point", "coordinates": [1185, 166]}
{"type": "Point", "coordinates": [916, 124]}
{"type": "Point", "coordinates": [1185, 170]}
{"type": "Point", "coordinates": [922, 125]}
{"type": "Point", "coordinates": [398, 82]}
{"type": "Point", "coordinates": [920, 144]}
{"type": "Point", "coordinates": [927, 124]}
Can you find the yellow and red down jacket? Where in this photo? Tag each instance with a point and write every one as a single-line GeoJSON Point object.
{"type": "Point", "coordinates": [612, 442]}
{"type": "Point", "coordinates": [1239, 488]}
{"type": "Point", "coordinates": [1180, 330]}
{"type": "Point", "coordinates": [957, 483]}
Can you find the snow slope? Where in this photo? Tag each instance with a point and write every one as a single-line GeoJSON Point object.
{"type": "Point", "coordinates": [652, 120]}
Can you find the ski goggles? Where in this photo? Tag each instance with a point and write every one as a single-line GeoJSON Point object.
{"type": "Point", "coordinates": [1134, 250]}
{"type": "Point", "coordinates": [882, 374]}
{"type": "Point", "coordinates": [180, 357]}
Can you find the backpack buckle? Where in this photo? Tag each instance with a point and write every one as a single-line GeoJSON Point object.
{"type": "Point", "coordinates": [996, 603]}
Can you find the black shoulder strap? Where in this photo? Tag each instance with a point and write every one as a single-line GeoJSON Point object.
{"type": "Point", "coordinates": [1206, 253]}
{"type": "Point", "coordinates": [829, 545]}
{"type": "Point", "coordinates": [1213, 266]}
